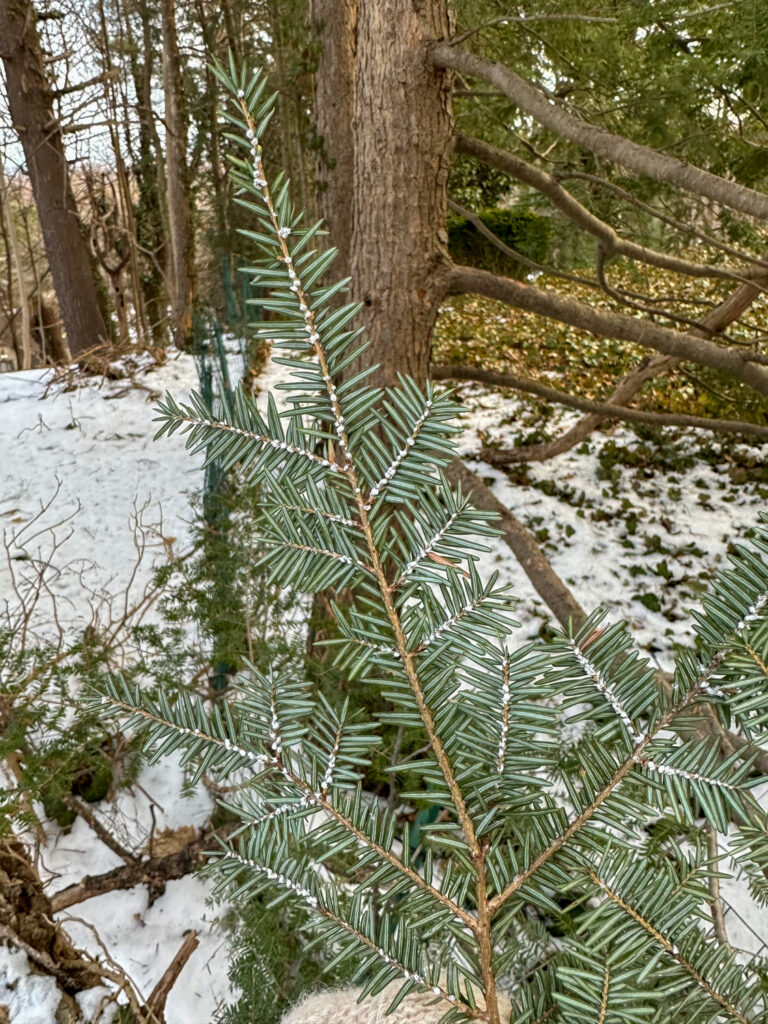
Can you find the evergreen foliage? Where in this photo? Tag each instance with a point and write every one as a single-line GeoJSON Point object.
{"type": "Point", "coordinates": [525, 232]}
{"type": "Point", "coordinates": [58, 753]}
{"type": "Point", "coordinates": [274, 962]}
{"type": "Point", "coordinates": [532, 824]}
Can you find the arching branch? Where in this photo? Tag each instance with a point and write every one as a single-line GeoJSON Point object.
{"type": "Point", "coordinates": [606, 410]}
{"type": "Point", "coordinates": [611, 242]}
{"type": "Point", "coordinates": [635, 157]}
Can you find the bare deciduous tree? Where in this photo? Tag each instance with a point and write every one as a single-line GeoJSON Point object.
{"type": "Point", "coordinates": [78, 287]}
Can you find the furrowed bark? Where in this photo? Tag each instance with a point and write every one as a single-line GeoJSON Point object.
{"type": "Point", "coordinates": [403, 143]}
{"type": "Point", "coordinates": [635, 157]}
{"type": "Point", "coordinates": [26, 919]}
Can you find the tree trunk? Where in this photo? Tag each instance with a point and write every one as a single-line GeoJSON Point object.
{"type": "Point", "coordinates": [335, 25]}
{"type": "Point", "coordinates": [388, 209]}
{"type": "Point", "coordinates": [403, 145]}
{"type": "Point", "coordinates": [148, 172]}
{"type": "Point", "coordinates": [22, 342]}
{"type": "Point", "coordinates": [181, 253]}
{"type": "Point", "coordinates": [80, 292]}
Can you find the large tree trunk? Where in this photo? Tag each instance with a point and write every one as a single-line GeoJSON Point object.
{"type": "Point", "coordinates": [182, 241]}
{"type": "Point", "coordinates": [396, 133]}
{"type": "Point", "coordinates": [403, 127]}
{"type": "Point", "coordinates": [75, 278]}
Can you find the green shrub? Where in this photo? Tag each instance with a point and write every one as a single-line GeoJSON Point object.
{"type": "Point", "coordinates": [527, 233]}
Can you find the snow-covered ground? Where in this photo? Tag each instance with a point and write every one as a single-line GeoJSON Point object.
{"type": "Point", "coordinates": [640, 540]}
{"type": "Point", "coordinates": [95, 453]}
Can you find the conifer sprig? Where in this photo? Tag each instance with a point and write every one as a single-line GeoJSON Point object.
{"type": "Point", "coordinates": [353, 495]}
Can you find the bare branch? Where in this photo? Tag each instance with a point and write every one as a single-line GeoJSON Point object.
{"type": "Point", "coordinates": [612, 243]}
{"type": "Point", "coordinates": [603, 323]}
{"type": "Point", "coordinates": [632, 155]}
{"type": "Point", "coordinates": [607, 410]}
{"type": "Point", "coordinates": [99, 79]}
{"type": "Point", "coordinates": [159, 995]}
{"type": "Point", "coordinates": [154, 872]}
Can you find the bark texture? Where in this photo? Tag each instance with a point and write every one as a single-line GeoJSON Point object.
{"type": "Point", "coordinates": [402, 149]}
{"type": "Point", "coordinates": [75, 277]}
{"type": "Point", "coordinates": [335, 25]}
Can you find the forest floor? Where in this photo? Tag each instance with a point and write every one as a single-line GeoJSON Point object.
{"type": "Point", "coordinates": [633, 521]}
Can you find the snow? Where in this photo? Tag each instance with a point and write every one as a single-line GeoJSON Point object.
{"type": "Point", "coordinates": [110, 472]}
{"type": "Point", "coordinates": [610, 540]}
{"type": "Point", "coordinates": [29, 998]}
{"type": "Point", "coordinates": [118, 490]}
{"type": "Point", "coordinates": [86, 457]}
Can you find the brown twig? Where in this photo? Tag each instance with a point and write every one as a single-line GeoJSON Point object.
{"type": "Point", "coordinates": [606, 410]}
{"type": "Point", "coordinates": [159, 996]}
{"type": "Point", "coordinates": [155, 871]}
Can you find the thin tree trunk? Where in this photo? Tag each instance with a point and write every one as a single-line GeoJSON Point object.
{"type": "Point", "coordinates": [23, 342]}
{"type": "Point", "coordinates": [80, 292]}
{"type": "Point", "coordinates": [7, 314]}
{"type": "Point", "coordinates": [124, 205]}
{"type": "Point", "coordinates": [181, 252]}
{"type": "Point", "coordinates": [148, 171]}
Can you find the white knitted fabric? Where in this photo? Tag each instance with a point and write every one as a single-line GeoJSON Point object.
{"type": "Point", "coordinates": [341, 1007]}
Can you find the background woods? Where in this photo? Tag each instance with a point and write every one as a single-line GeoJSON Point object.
{"type": "Point", "coordinates": [559, 210]}
{"type": "Point", "coordinates": [630, 188]}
